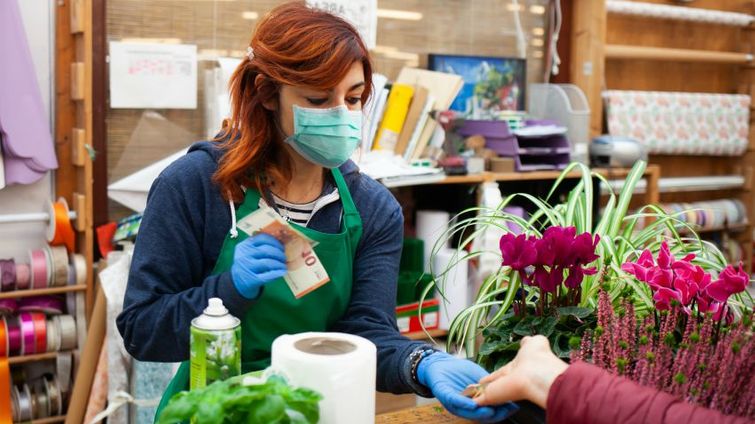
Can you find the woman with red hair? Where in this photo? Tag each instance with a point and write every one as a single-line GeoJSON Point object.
{"type": "Point", "coordinates": [296, 121]}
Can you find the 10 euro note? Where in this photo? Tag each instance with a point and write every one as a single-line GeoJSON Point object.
{"type": "Point", "coordinates": [305, 271]}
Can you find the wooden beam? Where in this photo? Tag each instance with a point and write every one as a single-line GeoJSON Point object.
{"type": "Point", "coordinates": [99, 115]}
{"type": "Point", "coordinates": [617, 51]}
{"type": "Point", "coordinates": [587, 55]}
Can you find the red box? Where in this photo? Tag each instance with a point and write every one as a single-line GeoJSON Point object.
{"type": "Point", "coordinates": [409, 321]}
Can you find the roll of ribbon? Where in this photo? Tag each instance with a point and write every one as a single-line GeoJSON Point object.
{"type": "Point", "coordinates": [23, 276]}
{"type": "Point", "coordinates": [43, 402]}
{"type": "Point", "coordinates": [6, 415]}
{"type": "Point", "coordinates": [53, 335]}
{"type": "Point", "coordinates": [80, 264]}
{"type": "Point", "coordinates": [7, 275]}
{"type": "Point", "coordinates": [59, 230]}
{"type": "Point", "coordinates": [81, 323]}
{"type": "Point", "coordinates": [25, 411]}
{"type": "Point", "coordinates": [38, 265]}
{"type": "Point", "coordinates": [28, 337]}
{"type": "Point", "coordinates": [71, 274]}
{"type": "Point", "coordinates": [59, 257]}
{"type": "Point", "coordinates": [64, 367]}
{"type": "Point", "coordinates": [51, 305]}
{"type": "Point", "coordinates": [15, 337]}
{"type": "Point", "coordinates": [40, 332]}
{"type": "Point", "coordinates": [53, 395]}
{"type": "Point", "coordinates": [68, 335]}
{"type": "Point", "coordinates": [3, 338]}
{"type": "Point", "coordinates": [8, 306]}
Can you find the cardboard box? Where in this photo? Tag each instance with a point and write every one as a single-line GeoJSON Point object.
{"type": "Point", "coordinates": [408, 320]}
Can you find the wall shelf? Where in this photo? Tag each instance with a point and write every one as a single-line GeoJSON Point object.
{"type": "Point", "coordinates": [15, 360]}
{"type": "Point", "coordinates": [40, 292]}
{"type": "Point", "coordinates": [686, 184]}
{"type": "Point", "coordinates": [617, 51]}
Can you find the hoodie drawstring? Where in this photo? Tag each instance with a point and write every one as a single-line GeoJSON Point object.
{"type": "Point", "coordinates": [234, 232]}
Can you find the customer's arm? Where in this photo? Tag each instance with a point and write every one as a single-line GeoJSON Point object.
{"type": "Point", "coordinates": [582, 393]}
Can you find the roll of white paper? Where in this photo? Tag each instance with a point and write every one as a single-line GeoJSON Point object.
{"type": "Point", "coordinates": [431, 226]}
{"type": "Point", "coordinates": [341, 367]}
{"type": "Point", "coordinates": [452, 278]}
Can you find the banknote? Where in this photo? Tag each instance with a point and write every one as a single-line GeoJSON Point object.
{"type": "Point", "coordinates": [305, 271]}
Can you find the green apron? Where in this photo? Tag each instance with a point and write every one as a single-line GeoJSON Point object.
{"type": "Point", "coordinates": [277, 312]}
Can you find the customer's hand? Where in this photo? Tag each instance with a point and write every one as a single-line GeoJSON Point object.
{"type": "Point", "coordinates": [446, 376]}
{"type": "Point", "coordinates": [529, 376]}
{"type": "Point", "coordinates": [257, 261]}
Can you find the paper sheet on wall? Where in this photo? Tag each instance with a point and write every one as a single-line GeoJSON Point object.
{"type": "Point", "coordinates": [360, 13]}
{"type": "Point", "coordinates": [153, 75]}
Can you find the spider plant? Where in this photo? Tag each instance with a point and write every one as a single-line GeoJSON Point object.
{"type": "Point", "coordinates": [622, 238]}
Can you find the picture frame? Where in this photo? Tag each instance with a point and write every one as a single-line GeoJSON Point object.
{"type": "Point", "coordinates": [491, 84]}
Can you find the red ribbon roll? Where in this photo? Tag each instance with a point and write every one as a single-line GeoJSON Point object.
{"type": "Point", "coordinates": [40, 332]}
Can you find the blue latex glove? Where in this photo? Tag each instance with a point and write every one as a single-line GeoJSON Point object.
{"type": "Point", "coordinates": [447, 376]}
{"type": "Point", "coordinates": [257, 261]}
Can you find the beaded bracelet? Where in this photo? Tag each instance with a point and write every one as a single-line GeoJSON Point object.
{"type": "Point", "coordinates": [416, 356]}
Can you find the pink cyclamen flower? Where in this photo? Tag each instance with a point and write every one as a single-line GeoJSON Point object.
{"type": "Point", "coordinates": [730, 281]}
{"type": "Point", "coordinates": [556, 245]}
{"type": "Point", "coordinates": [642, 267]}
{"type": "Point", "coordinates": [664, 296]}
{"type": "Point", "coordinates": [518, 252]}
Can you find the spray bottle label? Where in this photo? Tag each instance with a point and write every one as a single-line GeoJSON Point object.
{"type": "Point", "coordinates": [215, 355]}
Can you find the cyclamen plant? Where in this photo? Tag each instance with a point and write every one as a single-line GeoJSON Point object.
{"type": "Point", "coordinates": [556, 260]}
{"type": "Point", "coordinates": [681, 282]}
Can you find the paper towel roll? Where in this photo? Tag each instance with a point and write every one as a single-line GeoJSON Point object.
{"type": "Point", "coordinates": [453, 284]}
{"type": "Point", "coordinates": [431, 226]}
{"type": "Point", "coordinates": [341, 367]}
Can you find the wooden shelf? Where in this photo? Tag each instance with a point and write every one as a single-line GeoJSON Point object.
{"type": "Point", "coordinates": [533, 175]}
{"type": "Point", "coordinates": [421, 335]}
{"type": "Point", "coordinates": [724, 228]}
{"type": "Point", "coordinates": [617, 51]}
{"type": "Point", "coordinates": [14, 360]}
{"type": "Point", "coordinates": [50, 420]}
{"type": "Point", "coordinates": [41, 292]}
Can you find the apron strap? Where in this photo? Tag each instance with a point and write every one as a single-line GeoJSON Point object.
{"type": "Point", "coordinates": [351, 217]}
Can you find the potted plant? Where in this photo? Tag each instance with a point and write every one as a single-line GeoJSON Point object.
{"type": "Point", "coordinates": [615, 238]}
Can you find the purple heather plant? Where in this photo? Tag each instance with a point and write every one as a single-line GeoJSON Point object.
{"type": "Point", "coordinates": [693, 358]}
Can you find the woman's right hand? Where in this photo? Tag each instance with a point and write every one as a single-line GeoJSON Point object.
{"type": "Point", "coordinates": [257, 261]}
{"type": "Point", "coordinates": [529, 376]}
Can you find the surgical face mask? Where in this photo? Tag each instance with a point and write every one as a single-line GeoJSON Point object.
{"type": "Point", "coordinates": [327, 137]}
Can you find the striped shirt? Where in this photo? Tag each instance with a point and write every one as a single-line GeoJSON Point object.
{"type": "Point", "coordinates": [301, 213]}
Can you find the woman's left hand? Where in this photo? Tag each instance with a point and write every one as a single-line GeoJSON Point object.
{"type": "Point", "coordinates": [447, 376]}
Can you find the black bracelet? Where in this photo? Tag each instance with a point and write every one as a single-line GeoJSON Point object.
{"type": "Point", "coordinates": [417, 356]}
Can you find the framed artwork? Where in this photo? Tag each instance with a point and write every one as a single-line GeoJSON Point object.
{"type": "Point", "coordinates": [491, 84]}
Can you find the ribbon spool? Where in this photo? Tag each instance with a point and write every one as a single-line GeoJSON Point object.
{"type": "Point", "coordinates": [64, 367]}
{"type": "Point", "coordinates": [53, 395]}
{"type": "Point", "coordinates": [7, 275]}
{"type": "Point", "coordinates": [67, 330]}
{"type": "Point", "coordinates": [80, 268]}
{"type": "Point", "coordinates": [24, 402]}
{"type": "Point", "coordinates": [33, 332]}
{"type": "Point", "coordinates": [23, 276]}
{"type": "Point", "coordinates": [53, 335]}
{"type": "Point", "coordinates": [6, 408]}
{"type": "Point", "coordinates": [3, 338]}
{"type": "Point", "coordinates": [50, 305]}
{"type": "Point", "coordinates": [59, 269]}
{"type": "Point", "coordinates": [59, 229]}
{"type": "Point", "coordinates": [39, 269]}
{"type": "Point", "coordinates": [13, 336]}
{"type": "Point", "coordinates": [81, 325]}
{"type": "Point", "coordinates": [8, 306]}
{"type": "Point", "coordinates": [40, 332]}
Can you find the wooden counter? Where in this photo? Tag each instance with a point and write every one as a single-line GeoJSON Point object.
{"type": "Point", "coordinates": [422, 414]}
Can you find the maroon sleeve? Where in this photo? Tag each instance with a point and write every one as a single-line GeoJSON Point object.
{"type": "Point", "coordinates": [586, 394]}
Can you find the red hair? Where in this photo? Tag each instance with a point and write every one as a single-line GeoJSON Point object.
{"type": "Point", "coordinates": [295, 45]}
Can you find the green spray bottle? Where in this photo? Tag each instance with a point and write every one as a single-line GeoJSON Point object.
{"type": "Point", "coordinates": [215, 345]}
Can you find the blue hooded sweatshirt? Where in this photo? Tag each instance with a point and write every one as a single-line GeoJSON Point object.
{"type": "Point", "coordinates": [179, 241]}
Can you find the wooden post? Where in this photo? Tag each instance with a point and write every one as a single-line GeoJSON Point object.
{"type": "Point", "coordinates": [588, 56]}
